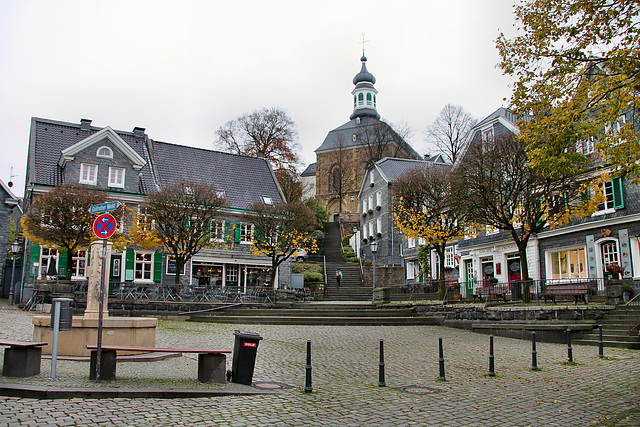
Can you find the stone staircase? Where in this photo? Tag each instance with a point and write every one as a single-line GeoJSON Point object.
{"type": "Point", "coordinates": [351, 286]}
{"type": "Point", "coordinates": [615, 329]}
{"type": "Point", "coordinates": [311, 313]}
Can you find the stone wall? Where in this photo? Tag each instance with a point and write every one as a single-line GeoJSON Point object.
{"type": "Point", "coordinates": [385, 276]}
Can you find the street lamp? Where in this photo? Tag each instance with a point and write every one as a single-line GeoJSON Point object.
{"type": "Point", "coordinates": [15, 248]}
{"type": "Point", "coordinates": [374, 248]}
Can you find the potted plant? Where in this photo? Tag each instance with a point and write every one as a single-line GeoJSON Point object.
{"type": "Point", "coordinates": [379, 234]}
{"type": "Point", "coordinates": [364, 214]}
{"type": "Point", "coordinates": [378, 207]}
{"type": "Point", "coordinates": [364, 240]}
{"type": "Point", "coordinates": [370, 211]}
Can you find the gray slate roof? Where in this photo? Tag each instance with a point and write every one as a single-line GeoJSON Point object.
{"type": "Point", "coordinates": [392, 168]}
{"type": "Point", "coordinates": [244, 179]}
{"type": "Point", "coordinates": [344, 134]}
{"type": "Point", "coordinates": [310, 170]}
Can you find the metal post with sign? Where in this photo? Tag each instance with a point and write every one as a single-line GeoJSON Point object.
{"type": "Point", "coordinates": [103, 227]}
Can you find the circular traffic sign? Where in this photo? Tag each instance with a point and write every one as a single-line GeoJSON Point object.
{"type": "Point", "coordinates": [104, 226]}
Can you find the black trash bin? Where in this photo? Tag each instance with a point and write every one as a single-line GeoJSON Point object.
{"type": "Point", "coordinates": [244, 356]}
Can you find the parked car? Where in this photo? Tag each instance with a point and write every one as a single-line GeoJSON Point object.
{"type": "Point", "coordinates": [299, 255]}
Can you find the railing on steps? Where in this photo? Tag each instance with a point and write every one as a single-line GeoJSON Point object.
{"type": "Point", "coordinates": [633, 315]}
{"type": "Point", "coordinates": [324, 264]}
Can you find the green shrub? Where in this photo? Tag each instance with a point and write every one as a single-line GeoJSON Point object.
{"type": "Point", "coordinates": [368, 262]}
{"type": "Point", "coordinates": [348, 252]}
{"type": "Point", "coordinates": [345, 240]}
{"type": "Point", "coordinates": [313, 277]}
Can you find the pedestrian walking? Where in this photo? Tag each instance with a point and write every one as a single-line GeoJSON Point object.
{"type": "Point", "coordinates": [338, 277]}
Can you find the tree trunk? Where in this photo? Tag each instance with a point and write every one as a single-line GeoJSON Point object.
{"type": "Point", "coordinates": [440, 251]}
{"type": "Point", "coordinates": [524, 266]}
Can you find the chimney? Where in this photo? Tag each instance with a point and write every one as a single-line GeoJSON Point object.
{"type": "Point", "coordinates": [138, 132]}
{"type": "Point", "coordinates": [85, 124]}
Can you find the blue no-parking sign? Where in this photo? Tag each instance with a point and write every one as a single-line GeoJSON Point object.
{"type": "Point", "coordinates": [104, 226]}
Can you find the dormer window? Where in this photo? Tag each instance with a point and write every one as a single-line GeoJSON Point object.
{"type": "Point", "coordinates": [221, 194]}
{"type": "Point", "coordinates": [105, 152]}
{"type": "Point", "coordinates": [88, 174]}
{"type": "Point", "coordinates": [267, 200]}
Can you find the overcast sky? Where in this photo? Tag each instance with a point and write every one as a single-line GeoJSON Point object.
{"type": "Point", "coordinates": [182, 69]}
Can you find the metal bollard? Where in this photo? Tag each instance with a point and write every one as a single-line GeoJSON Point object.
{"type": "Point", "coordinates": [569, 349]}
{"type": "Point", "coordinates": [492, 372]}
{"type": "Point", "coordinates": [381, 382]}
{"type": "Point", "coordinates": [600, 343]}
{"type": "Point", "coordinates": [307, 384]}
{"type": "Point", "coordinates": [534, 353]}
{"type": "Point", "coordinates": [441, 361]}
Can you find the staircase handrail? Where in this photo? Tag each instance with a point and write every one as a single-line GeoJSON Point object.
{"type": "Point", "coordinates": [324, 263]}
{"type": "Point", "coordinates": [361, 270]}
{"type": "Point", "coordinates": [633, 323]}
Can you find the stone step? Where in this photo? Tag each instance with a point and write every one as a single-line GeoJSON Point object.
{"type": "Point", "coordinates": [327, 321]}
{"type": "Point", "coordinates": [609, 337]}
{"type": "Point", "coordinates": [616, 344]}
{"type": "Point", "coordinates": [370, 311]}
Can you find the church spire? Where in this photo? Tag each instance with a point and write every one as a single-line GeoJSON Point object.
{"type": "Point", "coordinates": [364, 94]}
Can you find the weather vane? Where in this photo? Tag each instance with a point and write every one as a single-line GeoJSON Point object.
{"type": "Point", "coordinates": [363, 42]}
{"type": "Point", "coordinates": [11, 175]}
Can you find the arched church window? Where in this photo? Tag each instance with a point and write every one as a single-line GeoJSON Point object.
{"type": "Point", "coordinates": [336, 179]}
{"type": "Point", "coordinates": [368, 99]}
{"type": "Point", "coordinates": [355, 100]}
{"type": "Point", "coordinates": [360, 99]}
{"type": "Point", "coordinates": [374, 100]}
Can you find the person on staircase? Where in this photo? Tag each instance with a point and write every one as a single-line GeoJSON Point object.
{"type": "Point", "coordinates": [338, 277]}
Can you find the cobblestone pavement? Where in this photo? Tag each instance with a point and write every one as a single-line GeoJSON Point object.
{"type": "Point", "coordinates": [592, 391]}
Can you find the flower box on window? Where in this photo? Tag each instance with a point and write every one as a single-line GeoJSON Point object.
{"type": "Point", "coordinates": [378, 207]}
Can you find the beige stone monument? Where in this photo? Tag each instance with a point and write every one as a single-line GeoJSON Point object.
{"type": "Point", "coordinates": [126, 331]}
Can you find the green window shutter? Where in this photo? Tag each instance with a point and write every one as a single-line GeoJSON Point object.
{"type": "Point", "coordinates": [62, 263]}
{"type": "Point", "coordinates": [35, 257]}
{"type": "Point", "coordinates": [129, 265]}
{"type": "Point", "coordinates": [237, 227]}
{"type": "Point", "coordinates": [157, 267]}
{"type": "Point", "coordinates": [618, 200]}
{"type": "Point", "coordinates": [88, 259]}
{"type": "Point", "coordinates": [585, 196]}
{"type": "Point", "coordinates": [259, 235]}
{"type": "Point", "coordinates": [228, 232]}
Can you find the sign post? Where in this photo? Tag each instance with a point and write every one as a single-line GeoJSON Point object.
{"type": "Point", "coordinates": [103, 227]}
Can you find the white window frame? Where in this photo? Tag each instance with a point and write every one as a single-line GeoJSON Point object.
{"type": "Point", "coordinates": [371, 178]}
{"type": "Point", "coordinates": [378, 198]}
{"type": "Point", "coordinates": [411, 242]}
{"type": "Point", "coordinates": [411, 272]}
{"type": "Point", "coordinates": [88, 174]}
{"type": "Point", "coordinates": [172, 259]}
{"type": "Point", "coordinates": [606, 206]}
{"type": "Point", "coordinates": [79, 258]}
{"type": "Point", "coordinates": [449, 256]}
{"type": "Point", "coordinates": [569, 252]}
{"type": "Point", "coordinates": [108, 152]}
{"type": "Point", "coordinates": [114, 182]}
{"type": "Point", "coordinates": [267, 200]}
{"type": "Point", "coordinates": [378, 225]}
{"type": "Point", "coordinates": [143, 266]}
{"type": "Point", "coordinates": [246, 233]}
{"type": "Point", "coordinates": [371, 201]}
{"type": "Point", "coordinates": [216, 230]}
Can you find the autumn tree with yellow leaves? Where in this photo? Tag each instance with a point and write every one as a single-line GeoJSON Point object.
{"type": "Point", "coordinates": [427, 207]}
{"type": "Point", "coordinates": [577, 70]}
{"type": "Point", "coordinates": [279, 229]}
{"type": "Point", "coordinates": [61, 218]}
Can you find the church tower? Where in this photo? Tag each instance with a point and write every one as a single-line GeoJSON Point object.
{"type": "Point", "coordinates": [348, 150]}
{"type": "Point", "coordinates": [364, 94]}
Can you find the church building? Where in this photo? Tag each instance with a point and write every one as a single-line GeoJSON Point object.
{"type": "Point", "coordinates": [348, 150]}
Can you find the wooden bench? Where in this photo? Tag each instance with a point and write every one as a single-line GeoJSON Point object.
{"type": "Point", "coordinates": [22, 359]}
{"type": "Point", "coordinates": [486, 292]}
{"type": "Point", "coordinates": [576, 290]}
{"type": "Point", "coordinates": [212, 364]}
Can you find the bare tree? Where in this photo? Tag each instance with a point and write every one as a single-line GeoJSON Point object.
{"type": "Point", "coordinates": [449, 131]}
{"type": "Point", "coordinates": [381, 140]}
{"type": "Point", "coordinates": [268, 133]}
{"type": "Point", "coordinates": [499, 188]}
{"type": "Point", "coordinates": [290, 185]}
{"type": "Point", "coordinates": [341, 171]}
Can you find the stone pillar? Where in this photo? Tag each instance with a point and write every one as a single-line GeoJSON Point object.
{"type": "Point", "coordinates": [93, 291]}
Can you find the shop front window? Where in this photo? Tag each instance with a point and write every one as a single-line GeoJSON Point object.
{"type": "Point", "coordinates": [568, 264]}
{"type": "Point", "coordinates": [257, 276]}
{"type": "Point", "coordinates": [143, 266]}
